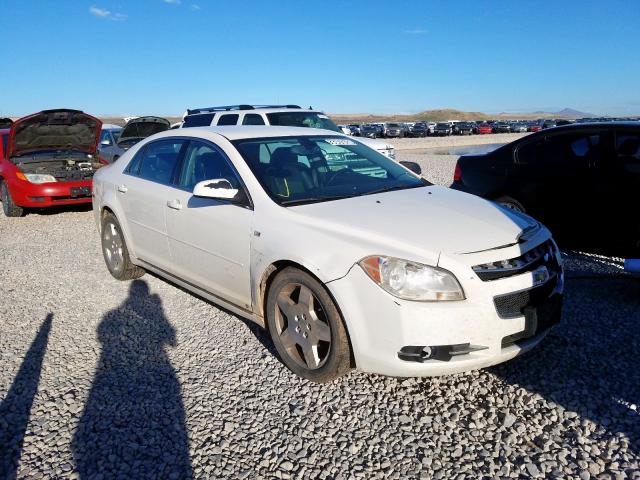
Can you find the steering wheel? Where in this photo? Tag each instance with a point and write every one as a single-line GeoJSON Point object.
{"type": "Point", "coordinates": [336, 174]}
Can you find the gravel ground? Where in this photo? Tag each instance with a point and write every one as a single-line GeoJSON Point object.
{"type": "Point", "coordinates": [103, 379]}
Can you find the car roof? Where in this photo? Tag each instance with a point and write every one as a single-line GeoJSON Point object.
{"type": "Point", "coordinates": [110, 126]}
{"type": "Point", "coordinates": [4, 130]}
{"type": "Point", "coordinates": [256, 110]}
{"type": "Point", "coordinates": [239, 132]}
{"type": "Point", "coordinates": [592, 125]}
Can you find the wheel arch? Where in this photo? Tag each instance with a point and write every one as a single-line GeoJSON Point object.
{"type": "Point", "coordinates": [269, 274]}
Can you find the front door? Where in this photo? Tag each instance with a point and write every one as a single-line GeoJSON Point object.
{"type": "Point", "coordinates": [210, 239]}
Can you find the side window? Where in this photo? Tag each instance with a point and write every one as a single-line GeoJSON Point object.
{"type": "Point", "coordinates": [252, 119]}
{"type": "Point", "coordinates": [628, 151]}
{"type": "Point", "coordinates": [562, 151]}
{"type": "Point", "coordinates": [228, 119]}
{"type": "Point", "coordinates": [159, 160]}
{"type": "Point", "coordinates": [198, 120]}
{"type": "Point", "coordinates": [205, 162]}
{"type": "Point", "coordinates": [105, 136]}
{"type": "Point", "coordinates": [134, 165]}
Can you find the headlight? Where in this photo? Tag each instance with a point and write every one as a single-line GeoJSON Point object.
{"type": "Point", "coordinates": [412, 281]}
{"type": "Point", "coordinates": [39, 178]}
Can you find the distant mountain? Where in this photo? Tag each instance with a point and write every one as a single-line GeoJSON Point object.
{"type": "Point", "coordinates": [571, 113]}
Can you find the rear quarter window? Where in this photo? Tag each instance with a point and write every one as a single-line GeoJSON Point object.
{"type": "Point", "coordinates": [198, 120]}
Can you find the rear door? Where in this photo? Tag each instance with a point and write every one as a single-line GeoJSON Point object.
{"type": "Point", "coordinates": [144, 193]}
{"type": "Point", "coordinates": [617, 180]}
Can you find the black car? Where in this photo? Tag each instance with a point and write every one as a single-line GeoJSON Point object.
{"type": "Point", "coordinates": [442, 129]}
{"type": "Point", "coordinates": [370, 131]}
{"type": "Point", "coordinates": [581, 180]}
{"type": "Point", "coordinates": [501, 127]}
{"type": "Point", "coordinates": [462, 128]}
{"type": "Point", "coordinates": [418, 130]}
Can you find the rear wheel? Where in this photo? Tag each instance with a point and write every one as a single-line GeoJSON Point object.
{"type": "Point", "coordinates": [306, 327]}
{"type": "Point", "coordinates": [511, 203]}
{"type": "Point", "coordinates": [9, 208]}
{"type": "Point", "coordinates": [115, 252]}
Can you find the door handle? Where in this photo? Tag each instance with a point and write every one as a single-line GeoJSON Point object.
{"type": "Point", "coordinates": [175, 204]}
{"type": "Point", "coordinates": [122, 189]}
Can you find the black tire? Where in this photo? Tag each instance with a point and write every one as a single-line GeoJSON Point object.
{"type": "Point", "coordinates": [511, 203]}
{"type": "Point", "coordinates": [334, 357]}
{"type": "Point", "coordinates": [112, 238]}
{"type": "Point", "coordinates": [9, 208]}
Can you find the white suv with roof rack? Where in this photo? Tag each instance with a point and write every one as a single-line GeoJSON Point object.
{"type": "Point", "coordinates": [273, 115]}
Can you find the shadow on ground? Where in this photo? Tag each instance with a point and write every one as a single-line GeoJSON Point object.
{"type": "Point", "coordinates": [133, 424]}
{"type": "Point", "coordinates": [589, 364]}
{"type": "Point", "coordinates": [15, 408]}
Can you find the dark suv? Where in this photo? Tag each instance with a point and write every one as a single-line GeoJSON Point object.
{"type": "Point", "coordinates": [582, 181]}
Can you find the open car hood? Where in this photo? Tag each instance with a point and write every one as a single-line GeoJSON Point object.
{"type": "Point", "coordinates": [142, 127]}
{"type": "Point", "coordinates": [61, 129]}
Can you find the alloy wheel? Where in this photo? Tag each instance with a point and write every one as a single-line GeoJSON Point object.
{"type": "Point", "coordinates": [302, 326]}
{"type": "Point", "coordinates": [113, 247]}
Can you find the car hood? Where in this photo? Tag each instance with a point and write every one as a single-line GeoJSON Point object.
{"type": "Point", "coordinates": [61, 129]}
{"type": "Point", "coordinates": [423, 221]}
{"type": "Point", "coordinates": [143, 127]}
{"type": "Point", "coordinates": [375, 144]}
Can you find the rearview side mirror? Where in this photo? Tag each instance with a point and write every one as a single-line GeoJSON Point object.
{"type": "Point", "coordinates": [219, 188]}
{"type": "Point", "coordinates": [413, 166]}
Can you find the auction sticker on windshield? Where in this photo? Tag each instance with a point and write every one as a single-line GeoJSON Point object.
{"type": "Point", "coordinates": [340, 141]}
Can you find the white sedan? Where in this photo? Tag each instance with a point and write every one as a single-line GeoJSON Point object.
{"type": "Point", "coordinates": [348, 258]}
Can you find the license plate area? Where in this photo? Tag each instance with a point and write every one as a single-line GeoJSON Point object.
{"type": "Point", "coordinates": [537, 319]}
{"type": "Point", "coordinates": [80, 192]}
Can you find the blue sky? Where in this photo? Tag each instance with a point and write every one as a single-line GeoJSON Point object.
{"type": "Point", "coordinates": [162, 56]}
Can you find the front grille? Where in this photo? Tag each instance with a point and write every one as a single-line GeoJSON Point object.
{"type": "Point", "coordinates": [543, 254]}
{"type": "Point", "coordinates": [512, 305]}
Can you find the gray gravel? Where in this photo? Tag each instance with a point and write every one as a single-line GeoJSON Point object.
{"type": "Point", "coordinates": [103, 379]}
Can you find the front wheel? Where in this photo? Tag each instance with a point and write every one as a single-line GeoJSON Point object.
{"type": "Point", "coordinates": [306, 327]}
{"type": "Point", "coordinates": [511, 204]}
{"type": "Point", "coordinates": [9, 208]}
{"type": "Point", "coordinates": [115, 251]}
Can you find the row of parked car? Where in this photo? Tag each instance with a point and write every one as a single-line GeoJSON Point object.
{"type": "Point", "coordinates": [340, 252]}
{"type": "Point", "coordinates": [452, 127]}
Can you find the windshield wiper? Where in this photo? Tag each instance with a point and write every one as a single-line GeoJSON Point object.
{"type": "Point", "coordinates": [305, 201]}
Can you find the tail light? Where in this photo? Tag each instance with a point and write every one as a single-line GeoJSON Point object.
{"type": "Point", "coordinates": [457, 173]}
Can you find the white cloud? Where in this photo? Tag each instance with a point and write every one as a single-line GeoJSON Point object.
{"type": "Point", "coordinates": [195, 6]}
{"type": "Point", "coordinates": [104, 13]}
{"type": "Point", "coordinates": [173, 2]}
{"type": "Point", "coordinates": [416, 31]}
{"type": "Point", "coordinates": [99, 12]}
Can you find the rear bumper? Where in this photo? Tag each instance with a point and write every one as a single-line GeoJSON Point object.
{"type": "Point", "coordinates": [31, 195]}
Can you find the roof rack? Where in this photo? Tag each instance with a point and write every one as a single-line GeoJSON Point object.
{"type": "Point", "coordinates": [226, 108]}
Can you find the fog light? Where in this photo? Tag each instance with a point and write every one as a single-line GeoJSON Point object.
{"type": "Point", "coordinates": [37, 199]}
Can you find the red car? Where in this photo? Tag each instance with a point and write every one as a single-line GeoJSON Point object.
{"type": "Point", "coordinates": [47, 159]}
{"type": "Point", "coordinates": [484, 129]}
{"type": "Point", "coordinates": [534, 127]}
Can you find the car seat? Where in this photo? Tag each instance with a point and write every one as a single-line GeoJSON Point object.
{"type": "Point", "coordinates": [286, 175]}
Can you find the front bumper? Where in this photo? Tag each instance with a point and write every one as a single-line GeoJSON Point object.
{"type": "Point", "coordinates": [31, 195]}
{"type": "Point", "coordinates": [382, 326]}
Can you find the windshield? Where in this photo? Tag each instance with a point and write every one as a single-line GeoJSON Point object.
{"type": "Point", "coordinates": [309, 169]}
{"type": "Point", "coordinates": [393, 125]}
{"type": "Point", "coordinates": [116, 133]}
{"type": "Point", "coordinates": [442, 125]}
{"type": "Point", "coordinates": [302, 119]}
